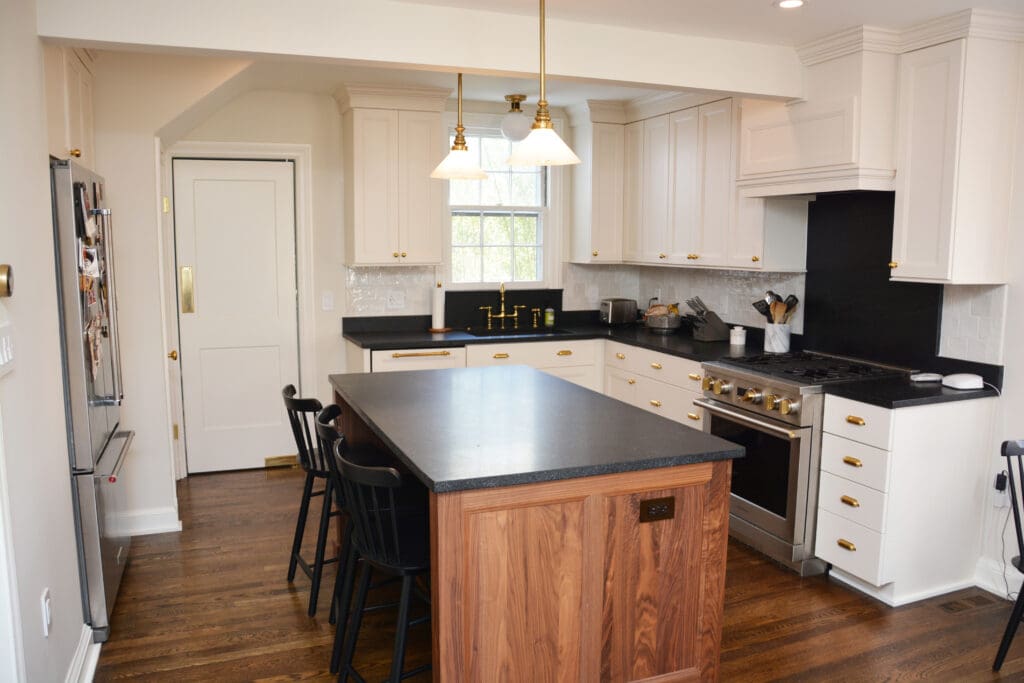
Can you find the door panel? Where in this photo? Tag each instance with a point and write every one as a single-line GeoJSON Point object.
{"type": "Point", "coordinates": [235, 226]}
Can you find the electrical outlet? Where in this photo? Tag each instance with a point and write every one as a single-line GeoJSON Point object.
{"type": "Point", "coordinates": [396, 298]}
{"type": "Point", "coordinates": [327, 300]}
{"type": "Point", "coordinates": [44, 605]}
{"type": "Point", "coordinates": [1001, 499]}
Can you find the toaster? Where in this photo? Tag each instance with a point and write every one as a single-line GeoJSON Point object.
{"type": "Point", "coordinates": [618, 311]}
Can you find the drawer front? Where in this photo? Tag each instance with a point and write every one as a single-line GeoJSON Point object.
{"type": "Point", "coordinates": [535, 354]}
{"type": "Point", "coordinates": [855, 461]}
{"type": "Point", "coordinates": [620, 385]}
{"type": "Point", "coordinates": [855, 502]}
{"type": "Point", "coordinates": [858, 421]}
{"type": "Point", "coordinates": [666, 400]}
{"type": "Point", "coordinates": [417, 359]}
{"type": "Point", "coordinates": [681, 372]}
{"type": "Point", "coordinates": [864, 560]}
{"type": "Point", "coordinates": [622, 357]}
{"type": "Point", "coordinates": [585, 375]}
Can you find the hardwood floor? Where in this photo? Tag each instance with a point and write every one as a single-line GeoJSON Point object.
{"type": "Point", "coordinates": [212, 604]}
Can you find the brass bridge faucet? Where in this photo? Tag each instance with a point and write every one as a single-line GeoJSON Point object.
{"type": "Point", "coordinates": [502, 315]}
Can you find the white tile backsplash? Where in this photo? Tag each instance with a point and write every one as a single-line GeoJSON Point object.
{"type": "Point", "coordinates": [973, 317]}
{"type": "Point", "coordinates": [366, 290]}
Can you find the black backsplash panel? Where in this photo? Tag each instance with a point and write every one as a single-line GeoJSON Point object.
{"type": "Point", "coordinates": [851, 307]}
{"type": "Point", "coordinates": [462, 307]}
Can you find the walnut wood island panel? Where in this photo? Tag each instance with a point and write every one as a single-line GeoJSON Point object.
{"type": "Point", "coordinates": [573, 537]}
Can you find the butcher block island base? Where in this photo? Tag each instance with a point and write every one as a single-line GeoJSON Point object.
{"type": "Point", "coordinates": [573, 537]}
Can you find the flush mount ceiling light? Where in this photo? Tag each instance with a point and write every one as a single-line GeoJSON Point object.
{"type": "Point", "coordinates": [542, 147]}
{"type": "Point", "coordinates": [788, 4]}
{"type": "Point", "coordinates": [460, 163]}
{"type": "Point", "coordinates": [515, 125]}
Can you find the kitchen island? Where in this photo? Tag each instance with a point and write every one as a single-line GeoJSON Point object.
{"type": "Point", "coordinates": [573, 537]}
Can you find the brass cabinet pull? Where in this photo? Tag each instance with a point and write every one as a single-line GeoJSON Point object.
{"type": "Point", "coordinates": [620, 356]}
{"type": "Point", "coordinates": [849, 500]}
{"type": "Point", "coordinates": [694, 376]}
{"type": "Point", "coordinates": [846, 545]}
{"type": "Point", "coordinates": [395, 254]}
{"type": "Point", "coordinates": [76, 153]}
{"type": "Point", "coordinates": [188, 293]}
{"type": "Point", "coordinates": [501, 355]}
{"type": "Point", "coordinates": [852, 461]}
{"type": "Point", "coordinates": [854, 420]}
{"type": "Point", "coordinates": [656, 404]}
{"type": "Point", "coordinates": [894, 264]}
{"type": "Point", "coordinates": [564, 352]}
{"type": "Point", "coordinates": [404, 254]}
{"type": "Point", "coordinates": [662, 255]}
{"type": "Point", "coordinates": [594, 253]}
{"type": "Point", "coordinates": [656, 366]}
{"type": "Point", "coordinates": [631, 381]}
{"type": "Point", "coordinates": [755, 259]}
{"type": "Point", "coordinates": [173, 355]}
{"type": "Point", "coordinates": [696, 256]}
{"type": "Point", "coordinates": [420, 354]}
{"type": "Point", "coordinates": [693, 416]}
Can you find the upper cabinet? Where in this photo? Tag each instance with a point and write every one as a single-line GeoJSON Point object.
{"type": "Point", "coordinates": [957, 116]}
{"type": "Point", "coordinates": [392, 139]}
{"type": "Point", "coordinates": [597, 188]}
{"type": "Point", "coordinates": [69, 112]}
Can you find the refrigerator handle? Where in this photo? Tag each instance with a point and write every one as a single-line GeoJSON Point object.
{"type": "Point", "coordinates": [128, 437]}
{"type": "Point", "coordinates": [117, 392]}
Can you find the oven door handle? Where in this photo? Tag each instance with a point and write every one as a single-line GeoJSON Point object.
{"type": "Point", "coordinates": [740, 417]}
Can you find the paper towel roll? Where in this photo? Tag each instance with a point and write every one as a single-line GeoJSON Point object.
{"type": "Point", "coordinates": [437, 308]}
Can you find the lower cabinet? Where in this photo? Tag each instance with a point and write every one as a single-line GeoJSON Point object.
{"type": "Point", "coordinates": [901, 495]}
{"type": "Point", "coordinates": [663, 384]}
{"type": "Point", "coordinates": [576, 361]}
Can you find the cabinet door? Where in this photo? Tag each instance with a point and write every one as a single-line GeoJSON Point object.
{"type": "Point", "coordinates": [718, 180]}
{"type": "Point", "coordinates": [606, 186]}
{"type": "Point", "coordinates": [655, 183]}
{"type": "Point", "coordinates": [620, 385]}
{"type": "Point", "coordinates": [632, 198]}
{"type": "Point", "coordinates": [375, 187]}
{"type": "Point", "coordinates": [684, 196]}
{"type": "Point", "coordinates": [931, 88]}
{"type": "Point", "coordinates": [56, 102]}
{"type": "Point", "coordinates": [420, 198]}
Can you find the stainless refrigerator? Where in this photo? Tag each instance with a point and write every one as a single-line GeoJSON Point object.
{"type": "Point", "coordinates": [98, 444]}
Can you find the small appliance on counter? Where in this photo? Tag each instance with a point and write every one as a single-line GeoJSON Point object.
{"type": "Point", "coordinates": [615, 311]}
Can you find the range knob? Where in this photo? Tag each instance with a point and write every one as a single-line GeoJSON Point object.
{"type": "Point", "coordinates": [752, 396]}
{"type": "Point", "coordinates": [707, 383]}
{"type": "Point", "coordinates": [720, 386]}
{"type": "Point", "coordinates": [789, 407]}
{"type": "Point", "coordinates": [771, 402]}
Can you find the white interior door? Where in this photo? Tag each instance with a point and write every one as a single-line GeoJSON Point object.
{"type": "Point", "coordinates": [235, 228]}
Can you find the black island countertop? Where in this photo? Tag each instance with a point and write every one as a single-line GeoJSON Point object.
{"type": "Point", "coordinates": [471, 428]}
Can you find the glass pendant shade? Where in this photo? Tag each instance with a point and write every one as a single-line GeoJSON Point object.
{"type": "Point", "coordinates": [460, 164]}
{"type": "Point", "coordinates": [515, 125]}
{"type": "Point", "coordinates": [542, 147]}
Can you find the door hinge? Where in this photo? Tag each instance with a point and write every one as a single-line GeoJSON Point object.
{"type": "Point", "coordinates": [174, 430]}
{"type": "Point", "coordinates": [167, 204]}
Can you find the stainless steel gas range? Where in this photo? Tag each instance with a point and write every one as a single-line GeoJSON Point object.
{"type": "Point", "coordinates": [774, 406]}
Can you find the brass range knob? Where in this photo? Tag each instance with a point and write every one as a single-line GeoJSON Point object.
{"type": "Point", "coordinates": [771, 402]}
{"type": "Point", "coordinates": [752, 396]}
{"type": "Point", "coordinates": [720, 387]}
{"type": "Point", "coordinates": [707, 383]}
{"type": "Point", "coordinates": [789, 406]}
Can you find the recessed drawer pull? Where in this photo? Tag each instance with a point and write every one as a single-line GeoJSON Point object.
{"type": "Point", "coordinates": [846, 545]}
{"type": "Point", "coordinates": [564, 352]}
{"type": "Point", "coordinates": [620, 356]}
{"type": "Point", "coordinates": [420, 354]}
{"type": "Point", "coordinates": [630, 381]}
{"type": "Point", "coordinates": [694, 376]}
{"type": "Point", "coordinates": [852, 461]}
{"type": "Point", "coordinates": [656, 404]}
{"type": "Point", "coordinates": [501, 355]}
{"type": "Point", "coordinates": [693, 416]}
{"type": "Point", "coordinates": [850, 500]}
{"type": "Point", "coordinates": [656, 366]}
{"type": "Point", "coordinates": [854, 420]}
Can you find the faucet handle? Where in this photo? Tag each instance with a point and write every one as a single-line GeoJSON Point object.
{"type": "Point", "coordinates": [488, 309]}
{"type": "Point", "coordinates": [536, 317]}
{"type": "Point", "coordinates": [515, 314]}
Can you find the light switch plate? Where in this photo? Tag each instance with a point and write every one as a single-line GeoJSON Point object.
{"type": "Point", "coordinates": [327, 300]}
{"type": "Point", "coordinates": [396, 298]}
{"type": "Point", "coordinates": [6, 347]}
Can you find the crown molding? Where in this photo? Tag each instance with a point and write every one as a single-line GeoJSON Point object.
{"type": "Point", "coordinates": [657, 104]}
{"type": "Point", "coordinates": [851, 41]}
{"type": "Point", "coordinates": [969, 23]}
{"type": "Point", "coordinates": [414, 98]}
{"type": "Point", "coordinates": [597, 111]}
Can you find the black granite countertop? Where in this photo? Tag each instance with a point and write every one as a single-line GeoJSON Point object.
{"type": "Point", "coordinates": [470, 428]}
{"type": "Point", "coordinates": [900, 392]}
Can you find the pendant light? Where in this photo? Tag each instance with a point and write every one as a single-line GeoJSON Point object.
{"type": "Point", "coordinates": [460, 163]}
{"type": "Point", "coordinates": [515, 125]}
{"type": "Point", "coordinates": [542, 147]}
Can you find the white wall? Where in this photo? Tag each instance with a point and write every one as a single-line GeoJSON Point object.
{"type": "Point", "coordinates": [35, 458]}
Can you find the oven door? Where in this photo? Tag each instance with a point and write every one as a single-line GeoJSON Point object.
{"type": "Point", "coordinates": [770, 484]}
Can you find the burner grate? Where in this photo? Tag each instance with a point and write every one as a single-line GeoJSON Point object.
{"type": "Point", "coordinates": [811, 367]}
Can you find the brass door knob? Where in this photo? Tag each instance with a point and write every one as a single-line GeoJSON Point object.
{"type": "Point", "coordinates": [6, 280]}
{"type": "Point", "coordinates": [76, 153]}
{"type": "Point", "coordinates": [173, 355]}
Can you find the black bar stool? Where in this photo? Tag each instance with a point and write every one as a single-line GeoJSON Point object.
{"type": "Point", "coordinates": [1013, 451]}
{"type": "Point", "coordinates": [314, 462]}
{"type": "Point", "coordinates": [391, 536]}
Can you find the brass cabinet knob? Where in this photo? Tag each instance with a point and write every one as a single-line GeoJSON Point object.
{"type": "Point", "coordinates": [696, 256]}
{"type": "Point", "coordinates": [594, 253]}
{"type": "Point", "coordinates": [173, 355]}
{"type": "Point", "coordinates": [6, 280]}
{"type": "Point", "coordinates": [620, 356]}
{"type": "Point", "coordinates": [656, 366]}
{"type": "Point", "coordinates": [404, 254]}
{"type": "Point", "coordinates": [662, 255]}
{"type": "Point", "coordinates": [894, 264]}
{"type": "Point", "coordinates": [755, 259]}
{"type": "Point", "coordinates": [76, 153]}
{"type": "Point", "coordinates": [631, 381]}
{"type": "Point", "coordinates": [655, 403]}
{"type": "Point", "coordinates": [395, 254]}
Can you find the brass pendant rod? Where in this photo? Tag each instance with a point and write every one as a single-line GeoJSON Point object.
{"type": "Point", "coordinates": [460, 139]}
{"type": "Point", "coordinates": [543, 118]}
{"type": "Point", "coordinates": [542, 44]}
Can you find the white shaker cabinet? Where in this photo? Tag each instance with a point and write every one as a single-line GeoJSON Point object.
{"type": "Point", "coordinates": [69, 106]}
{"type": "Point", "coordinates": [597, 190]}
{"type": "Point", "coordinates": [714, 152]}
{"type": "Point", "coordinates": [632, 195]}
{"type": "Point", "coordinates": [957, 115]}
{"type": "Point", "coordinates": [655, 240]}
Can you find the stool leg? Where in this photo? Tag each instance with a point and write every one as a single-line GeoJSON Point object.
{"type": "Point", "coordinates": [398, 657]}
{"type": "Point", "coordinates": [1011, 629]}
{"type": "Point", "coordinates": [357, 619]}
{"type": "Point", "coordinates": [339, 577]}
{"type": "Point", "coordinates": [321, 545]}
{"type": "Point", "coordinates": [343, 598]}
{"type": "Point", "coordinates": [300, 526]}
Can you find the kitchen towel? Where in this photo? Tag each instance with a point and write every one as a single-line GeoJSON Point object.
{"type": "Point", "coordinates": [437, 309]}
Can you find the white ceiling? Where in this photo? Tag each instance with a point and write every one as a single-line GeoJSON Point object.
{"type": "Point", "coordinates": [748, 20]}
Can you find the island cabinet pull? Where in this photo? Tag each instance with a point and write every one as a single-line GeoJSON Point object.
{"type": "Point", "coordinates": [420, 354]}
{"type": "Point", "coordinates": [849, 500]}
{"type": "Point", "coordinates": [501, 355]}
{"type": "Point", "coordinates": [854, 420]}
{"type": "Point", "coordinates": [655, 403]}
{"type": "Point", "coordinates": [693, 416]}
{"type": "Point", "coordinates": [564, 352]}
{"type": "Point", "coordinates": [656, 366]}
{"type": "Point", "coordinates": [694, 376]}
{"type": "Point", "coordinates": [846, 545]}
{"type": "Point", "coordinates": [620, 356]}
{"type": "Point", "coordinates": [852, 461]}
{"type": "Point", "coordinates": [630, 381]}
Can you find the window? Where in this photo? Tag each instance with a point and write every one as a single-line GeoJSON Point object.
{"type": "Point", "coordinates": [497, 228]}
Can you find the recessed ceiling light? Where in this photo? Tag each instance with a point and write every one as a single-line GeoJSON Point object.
{"type": "Point", "coordinates": [788, 4]}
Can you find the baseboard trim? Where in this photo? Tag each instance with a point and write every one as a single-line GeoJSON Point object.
{"type": "Point", "coordinates": [150, 521]}
{"type": "Point", "coordinates": [888, 594]}
{"type": "Point", "coordinates": [988, 574]}
{"type": "Point", "coordinates": [84, 661]}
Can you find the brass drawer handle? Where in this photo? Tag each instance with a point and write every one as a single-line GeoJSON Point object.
{"type": "Point", "coordinates": [656, 404]}
{"type": "Point", "coordinates": [630, 381]}
{"type": "Point", "coordinates": [849, 500]}
{"type": "Point", "coordinates": [501, 355]}
{"type": "Point", "coordinates": [854, 420]}
{"type": "Point", "coordinates": [846, 545]}
{"type": "Point", "coordinates": [620, 356]}
{"type": "Point", "coordinates": [852, 461]}
{"type": "Point", "coordinates": [662, 255]}
{"type": "Point", "coordinates": [564, 352]}
{"type": "Point", "coordinates": [894, 264]}
{"type": "Point", "coordinates": [693, 416]}
{"type": "Point", "coordinates": [421, 354]}
{"type": "Point", "coordinates": [656, 366]}
{"type": "Point", "coordinates": [694, 376]}
{"type": "Point", "coordinates": [755, 259]}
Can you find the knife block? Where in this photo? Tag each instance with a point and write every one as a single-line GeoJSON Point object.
{"type": "Point", "coordinates": [710, 329]}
